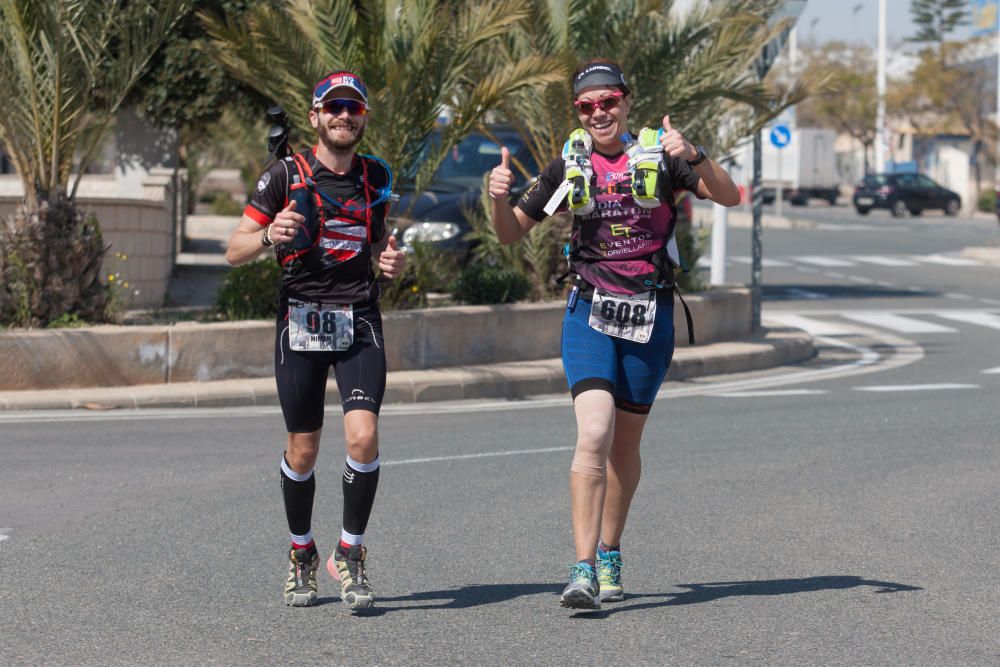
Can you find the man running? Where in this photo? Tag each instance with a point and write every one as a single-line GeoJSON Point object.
{"type": "Point", "coordinates": [322, 211]}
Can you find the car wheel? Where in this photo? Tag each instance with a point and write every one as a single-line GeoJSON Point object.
{"type": "Point", "coordinates": [951, 208]}
{"type": "Point", "coordinates": [861, 210]}
{"type": "Point", "coordinates": [915, 212]}
{"type": "Point", "coordinates": [899, 209]}
{"type": "Point", "coordinates": [832, 200]}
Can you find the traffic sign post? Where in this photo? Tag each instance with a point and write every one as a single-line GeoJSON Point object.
{"type": "Point", "coordinates": [790, 9]}
{"type": "Point", "coordinates": [781, 136]}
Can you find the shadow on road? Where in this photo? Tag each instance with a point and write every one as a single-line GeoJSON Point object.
{"type": "Point", "coordinates": [716, 590]}
{"type": "Point", "coordinates": [469, 596]}
{"type": "Point", "coordinates": [482, 594]}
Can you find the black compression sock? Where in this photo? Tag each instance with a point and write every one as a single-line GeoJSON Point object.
{"type": "Point", "coordinates": [360, 484]}
{"type": "Point", "coordinates": [298, 491]}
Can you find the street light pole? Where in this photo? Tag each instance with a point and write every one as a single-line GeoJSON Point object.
{"type": "Point", "coordinates": [880, 85]}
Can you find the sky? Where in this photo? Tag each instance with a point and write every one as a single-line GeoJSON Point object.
{"type": "Point", "coordinates": [826, 20]}
{"type": "Point", "coordinates": [854, 21]}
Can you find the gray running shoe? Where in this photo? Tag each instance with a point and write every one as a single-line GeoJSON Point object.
{"type": "Point", "coordinates": [581, 592]}
{"type": "Point", "coordinates": [349, 570]}
{"type": "Point", "coordinates": [300, 588]}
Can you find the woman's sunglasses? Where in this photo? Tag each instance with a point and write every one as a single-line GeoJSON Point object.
{"type": "Point", "coordinates": [606, 103]}
{"type": "Point", "coordinates": [335, 106]}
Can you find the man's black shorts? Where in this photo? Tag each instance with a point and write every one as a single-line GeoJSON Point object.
{"type": "Point", "coordinates": [301, 376]}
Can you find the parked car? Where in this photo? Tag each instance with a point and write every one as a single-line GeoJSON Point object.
{"type": "Point", "coordinates": [902, 193]}
{"type": "Point", "coordinates": [437, 215]}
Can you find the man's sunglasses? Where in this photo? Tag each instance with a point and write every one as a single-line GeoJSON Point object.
{"type": "Point", "coordinates": [606, 103]}
{"type": "Point", "coordinates": [335, 106]}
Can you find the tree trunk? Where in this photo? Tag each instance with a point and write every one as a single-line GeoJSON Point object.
{"type": "Point", "coordinates": [50, 261]}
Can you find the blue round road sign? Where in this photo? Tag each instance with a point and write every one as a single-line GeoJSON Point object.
{"type": "Point", "coordinates": [781, 136]}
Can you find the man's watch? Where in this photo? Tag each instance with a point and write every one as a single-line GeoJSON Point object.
{"type": "Point", "coordinates": [701, 157]}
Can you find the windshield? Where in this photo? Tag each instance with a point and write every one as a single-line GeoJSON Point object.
{"type": "Point", "coordinates": [476, 155]}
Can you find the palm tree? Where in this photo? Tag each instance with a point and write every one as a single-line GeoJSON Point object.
{"type": "Point", "coordinates": [66, 66]}
{"type": "Point", "coordinates": [697, 69]}
{"type": "Point", "coordinates": [414, 56]}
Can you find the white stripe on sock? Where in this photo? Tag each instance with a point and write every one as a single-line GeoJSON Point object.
{"type": "Point", "coordinates": [302, 540]}
{"type": "Point", "coordinates": [292, 475]}
{"type": "Point", "coordinates": [364, 467]}
{"type": "Point", "coordinates": [349, 538]}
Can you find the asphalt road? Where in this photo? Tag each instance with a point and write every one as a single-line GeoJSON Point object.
{"type": "Point", "coordinates": [843, 511]}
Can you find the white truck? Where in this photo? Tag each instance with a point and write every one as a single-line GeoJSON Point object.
{"type": "Point", "coordinates": [807, 168]}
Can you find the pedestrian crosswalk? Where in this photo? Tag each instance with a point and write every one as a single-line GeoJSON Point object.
{"type": "Point", "coordinates": [854, 322]}
{"type": "Point", "coordinates": [846, 261]}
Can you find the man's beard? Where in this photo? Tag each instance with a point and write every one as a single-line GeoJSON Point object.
{"type": "Point", "coordinates": [337, 145]}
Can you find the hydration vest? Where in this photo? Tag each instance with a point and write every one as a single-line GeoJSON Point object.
{"type": "Point", "coordinates": [338, 238]}
{"type": "Point", "coordinates": [646, 165]}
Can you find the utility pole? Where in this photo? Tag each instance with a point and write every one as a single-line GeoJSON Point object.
{"type": "Point", "coordinates": [880, 113]}
{"type": "Point", "coordinates": [791, 9]}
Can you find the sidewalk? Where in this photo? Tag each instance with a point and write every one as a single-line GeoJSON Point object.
{"type": "Point", "coordinates": [513, 380]}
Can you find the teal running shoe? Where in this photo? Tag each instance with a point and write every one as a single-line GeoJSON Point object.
{"type": "Point", "coordinates": [609, 576]}
{"type": "Point", "coordinates": [582, 590]}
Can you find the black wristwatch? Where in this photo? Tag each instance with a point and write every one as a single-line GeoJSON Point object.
{"type": "Point", "coordinates": [701, 157]}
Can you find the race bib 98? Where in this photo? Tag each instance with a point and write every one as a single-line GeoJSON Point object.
{"type": "Point", "coordinates": [624, 316]}
{"type": "Point", "coordinates": [314, 327]}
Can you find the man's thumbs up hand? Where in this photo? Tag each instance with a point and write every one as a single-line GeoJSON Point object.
{"type": "Point", "coordinates": [501, 178]}
{"type": "Point", "coordinates": [392, 260]}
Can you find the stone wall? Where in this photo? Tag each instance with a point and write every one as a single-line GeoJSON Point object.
{"type": "Point", "coordinates": [141, 230]}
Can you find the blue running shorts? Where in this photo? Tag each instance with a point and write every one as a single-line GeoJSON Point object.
{"type": "Point", "coordinates": [631, 372]}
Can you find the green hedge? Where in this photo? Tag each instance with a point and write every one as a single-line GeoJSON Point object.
{"type": "Point", "coordinates": [250, 291]}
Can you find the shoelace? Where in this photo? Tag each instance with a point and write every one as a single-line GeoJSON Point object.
{"type": "Point", "coordinates": [577, 571]}
{"type": "Point", "coordinates": [613, 563]}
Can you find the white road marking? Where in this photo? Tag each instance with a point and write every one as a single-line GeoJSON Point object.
{"type": "Point", "coordinates": [765, 262]}
{"type": "Point", "coordinates": [861, 279]}
{"type": "Point", "coordinates": [883, 260]}
{"type": "Point", "coordinates": [917, 387]}
{"type": "Point", "coordinates": [838, 276]}
{"type": "Point", "coordinates": [775, 392]}
{"type": "Point", "coordinates": [824, 261]}
{"type": "Point", "coordinates": [960, 297]}
{"type": "Point", "coordinates": [828, 227]}
{"type": "Point", "coordinates": [898, 323]}
{"type": "Point", "coordinates": [481, 455]}
{"type": "Point", "coordinates": [972, 317]}
{"type": "Point", "coordinates": [995, 302]}
{"type": "Point", "coordinates": [814, 327]}
{"type": "Point", "coordinates": [992, 371]}
{"type": "Point", "coordinates": [946, 260]}
{"type": "Point", "coordinates": [3, 534]}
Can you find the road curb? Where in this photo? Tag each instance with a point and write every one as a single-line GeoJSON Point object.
{"type": "Point", "coordinates": [514, 380]}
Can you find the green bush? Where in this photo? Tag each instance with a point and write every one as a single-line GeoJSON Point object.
{"type": "Point", "coordinates": [250, 291]}
{"type": "Point", "coordinates": [223, 204]}
{"type": "Point", "coordinates": [987, 200]}
{"type": "Point", "coordinates": [482, 283]}
{"type": "Point", "coordinates": [427, 270]}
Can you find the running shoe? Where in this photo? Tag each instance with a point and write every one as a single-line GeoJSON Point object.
{"type": "Point", "coordinates": [300, 588]}
{"type": "Point", "coordinates": [609, 575]}
{"type": "Point", "coordinates": [349, 570]}
{"type": "Point", "coordinates": [582, 590]}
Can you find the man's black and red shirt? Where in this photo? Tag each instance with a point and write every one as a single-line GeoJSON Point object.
{"type": "Point", "coordinates": [330, 260]}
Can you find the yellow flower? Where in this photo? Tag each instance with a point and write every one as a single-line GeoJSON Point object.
{"type": "Point", "coordinates": [111, 277]}
{"type": "Point", "coordinates": [414, 289]}
{"type": "Point", "coordinates": [125, 284]}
